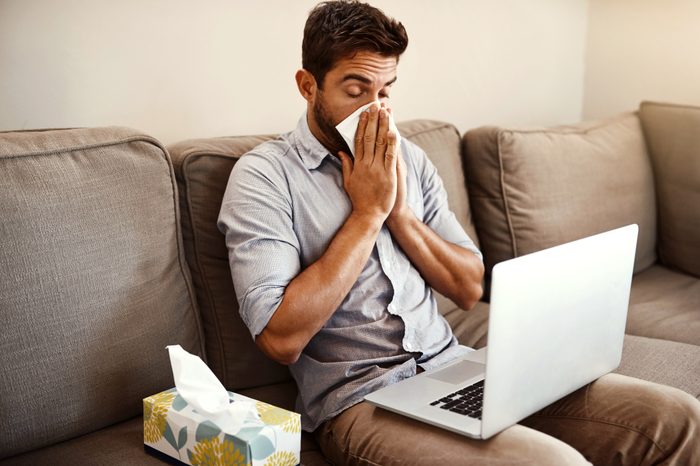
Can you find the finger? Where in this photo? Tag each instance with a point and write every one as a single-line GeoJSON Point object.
{"type": "Point", "coordinates": [390, 155]}
{"type": "Point", "coordinates": [381, 141]}
{"type": "Point", "coordinates": [359, 137]}
{"type": "Point", "coordinates": [370, 133]}
{"type": "Point", "coordinates": [392, 122]}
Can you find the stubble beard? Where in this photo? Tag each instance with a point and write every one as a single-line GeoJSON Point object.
{"type": "Point", "coordinates": [334, 142]}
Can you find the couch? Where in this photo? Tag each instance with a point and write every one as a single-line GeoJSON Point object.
{"type": "Point", "coordinates": [110, 251]}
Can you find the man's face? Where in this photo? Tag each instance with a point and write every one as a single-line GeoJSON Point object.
{"type": "Point", "coordinates": [350, 84]}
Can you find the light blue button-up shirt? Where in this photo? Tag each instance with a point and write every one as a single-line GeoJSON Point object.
{"type": "Point", "coordinates": [283, 205]}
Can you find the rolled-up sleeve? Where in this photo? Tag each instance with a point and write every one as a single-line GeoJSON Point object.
{"type": "Point", "coordinates": [256, 219]}
{"type": "Point", "coordinates": [437, 214]}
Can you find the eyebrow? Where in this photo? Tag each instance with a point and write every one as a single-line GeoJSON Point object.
{"type": "Point", "coordinates": [366, 80]}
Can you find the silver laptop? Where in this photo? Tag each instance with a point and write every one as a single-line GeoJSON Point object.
{"type": "Point", "coordinates": [557, 322]}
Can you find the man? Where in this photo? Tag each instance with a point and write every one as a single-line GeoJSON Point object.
{"type": "Point", "coordinates": [334, 259]}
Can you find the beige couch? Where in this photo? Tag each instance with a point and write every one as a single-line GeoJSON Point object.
{"type": "Point", "coordinates": [109, 251]}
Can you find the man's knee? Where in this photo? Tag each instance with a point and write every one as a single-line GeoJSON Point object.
{"type": "Point", "coordinates": [678, 428]}
{"type": "Point", "coordinates": [666, 410]}
{"type": "Point", "coordinates": [667, 416]}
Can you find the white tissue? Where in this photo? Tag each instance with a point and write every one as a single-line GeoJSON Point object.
{"type": "Point", "coordinates": [200, 388]}
{"type": "Point", "coordinates": [348, 127]}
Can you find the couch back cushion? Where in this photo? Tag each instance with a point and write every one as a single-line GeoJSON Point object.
{"type": "Point", "coordinates": [533, 189]}
{"type": "Point", "coordinates": [94, 283]}
{"type": "Point", "coordinates": [203, 167]}
{"type": "Point", "coordinates": [673, 137]}
{"type": "Point", "coordinates": [441, 141]}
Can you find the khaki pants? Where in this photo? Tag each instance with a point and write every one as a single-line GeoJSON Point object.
{"type": "Point", "coordinates": [615, 420]}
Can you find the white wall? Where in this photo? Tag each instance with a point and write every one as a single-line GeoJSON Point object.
{"type": "Point", "coordinates": [641, 50]}
{"type": "Point", "coordinates": [181, 69]}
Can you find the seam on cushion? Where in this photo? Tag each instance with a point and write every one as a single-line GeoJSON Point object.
{"type": "Point", "coordinates": [565, 130]}
{"type": "Point", "coordinates": [654, 164]}
{"type": "Point", "coordinates": [215, 317]}
{"type": "Point", "coordinates": [222, 154]}
{"type": "Point", "coordinates": [441, 125]}
{"type": "Point", "coordinates": [648, 103]}
{"type": "Point", "coordinates": [190, 146]}
{"type": "Point", "coordinates": [184, 270]}
{"type": "Point", "coordinates": [135, 138]}
{"type": "Point", "coordinates": [506, 206]}
{"type": "Point", "coordinates": [38, 130]}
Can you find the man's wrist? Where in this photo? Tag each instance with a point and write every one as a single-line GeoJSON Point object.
{"type": "Point", "coordinates": [400, 217]}
{"type": "Point", "coordinates": [370, 221]}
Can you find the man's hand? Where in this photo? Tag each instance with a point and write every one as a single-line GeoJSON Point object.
{"type": "Point", "coordinates": [371, 179]}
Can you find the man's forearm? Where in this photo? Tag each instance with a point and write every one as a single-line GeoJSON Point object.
{"type": "Point", "coordinates": [312, 296]}
{"type": "Point", "coordinates": [452, 270]}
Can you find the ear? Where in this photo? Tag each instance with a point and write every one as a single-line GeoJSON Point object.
{"type": "Point", "coordinates": [306, 83]}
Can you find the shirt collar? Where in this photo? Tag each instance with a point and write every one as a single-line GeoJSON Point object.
{"type": "Point", "coordinates": [311, 151]}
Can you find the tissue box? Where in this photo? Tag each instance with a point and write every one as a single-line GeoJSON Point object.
{"type": "Point", "coordinates": [272, 436]}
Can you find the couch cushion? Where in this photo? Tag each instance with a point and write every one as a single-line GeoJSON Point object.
{"type": "Point", "coordinates": [122, 444]}
{"type": "Point", "coordinates": [94, 281]}
{"type": "Point", "coordinates": [202, 167]}
{"type": "Point", "coordinates": [470, 327]}
{"type": "Point", "coordinates": [441, 142]}
{"type": "Point", "coordinates": [665, 304]}
{"type": "Point", "coordinates": [673, 136]}
{"type": "Point", "coordinates": [118, 444]}
{"type": "Point", "coordinates": [532, 189]}
{"type": "Point", "coordinates": [662, 361]}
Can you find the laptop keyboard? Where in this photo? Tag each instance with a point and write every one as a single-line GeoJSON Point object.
{"type": "Point", "coordinates": [467, 401]}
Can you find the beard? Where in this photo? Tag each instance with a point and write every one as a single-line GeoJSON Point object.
{"type": "Point", "coordinates": [333, 141]}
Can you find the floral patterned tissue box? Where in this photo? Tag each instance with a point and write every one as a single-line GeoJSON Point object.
{"type": "Point", "coordinates": [174, 428]}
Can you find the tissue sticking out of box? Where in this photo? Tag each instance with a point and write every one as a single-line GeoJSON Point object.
{"type": "Point", "coordinates": [199, 387]}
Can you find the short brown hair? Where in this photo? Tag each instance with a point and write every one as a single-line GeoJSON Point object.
{"type": "Point", "coordinates": [339, 29]}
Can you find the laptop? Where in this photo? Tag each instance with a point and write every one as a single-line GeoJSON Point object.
{"type": "Point", "coordinates": [557, 322]}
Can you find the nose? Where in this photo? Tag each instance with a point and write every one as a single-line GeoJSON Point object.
{"type": "Point", "coordinates": [381, 102]}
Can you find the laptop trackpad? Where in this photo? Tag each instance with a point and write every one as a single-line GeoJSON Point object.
{"type": "Point", "coordinates": [459, 372]}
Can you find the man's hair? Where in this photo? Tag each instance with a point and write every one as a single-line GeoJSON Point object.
{"type": "Point", "coordinates": [339, 29]}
